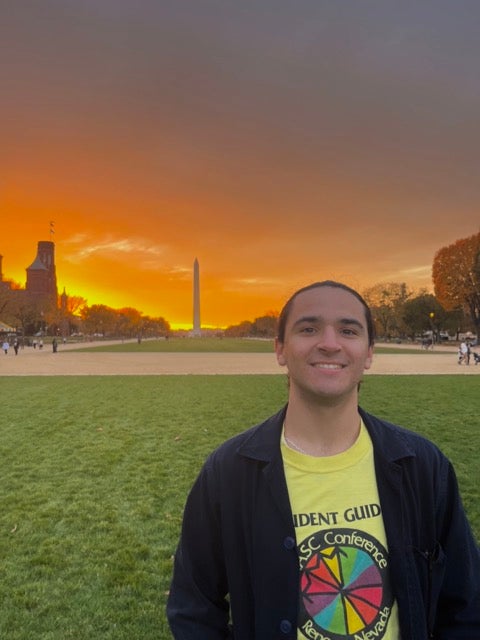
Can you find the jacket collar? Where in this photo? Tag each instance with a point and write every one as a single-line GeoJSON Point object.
{"type": "Point", "coordinates": [262, 442]}
{"type": "Point", "coordinates": [391, 440]}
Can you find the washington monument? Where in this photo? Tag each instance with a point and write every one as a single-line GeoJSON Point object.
{"type": "Point", "coordinates": [196, 300]}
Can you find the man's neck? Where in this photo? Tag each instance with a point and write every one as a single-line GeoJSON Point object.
{"type": "Point", "coordinates": [322, 428]}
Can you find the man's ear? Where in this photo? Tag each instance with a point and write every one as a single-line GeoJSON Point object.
{"type": "Point", "coordinates": [368, 361]}
{"type": "Point", "coordinates": [279, 353]}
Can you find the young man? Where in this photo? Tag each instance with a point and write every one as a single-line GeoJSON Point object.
{"type": "Point", "coordinates": [325, 522]}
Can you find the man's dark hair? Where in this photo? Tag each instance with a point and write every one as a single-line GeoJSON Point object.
{"type": "Point", "coordinates": [282, 319]}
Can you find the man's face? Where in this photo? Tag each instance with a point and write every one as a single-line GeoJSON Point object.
{"type": "Point", "coordinates": [326, 347]}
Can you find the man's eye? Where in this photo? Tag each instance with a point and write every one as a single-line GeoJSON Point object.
{"type": "Point", "coordinates": [307, 330]}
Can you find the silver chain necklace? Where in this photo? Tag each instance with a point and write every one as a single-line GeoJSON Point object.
{"type": "Point", "coordinates": [294, 446]}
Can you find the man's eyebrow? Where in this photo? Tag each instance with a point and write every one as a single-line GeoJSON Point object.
{"type": "Point", "coordinates": [315, 319]}
{"type": "Point", "coordinates": [352, 321]}
{"type": "Point", "coordinates": [307, 319]}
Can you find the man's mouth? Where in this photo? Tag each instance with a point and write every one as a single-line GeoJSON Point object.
{"type": "Point", "coordinates": [327, 365]}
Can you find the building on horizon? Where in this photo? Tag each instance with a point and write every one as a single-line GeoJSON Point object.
{"type": "Point", "coordinates": [42, 276]}
{"type": "Point", "coordinates": [41, 281]}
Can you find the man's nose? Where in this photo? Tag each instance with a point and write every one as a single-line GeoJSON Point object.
{"type": "Point", "coordinates": [328, 339]}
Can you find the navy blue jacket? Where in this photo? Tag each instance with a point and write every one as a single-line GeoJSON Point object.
{"type": "Point", "coordinates": [236, 572]}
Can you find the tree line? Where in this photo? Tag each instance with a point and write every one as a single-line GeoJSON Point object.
{"type": "Point", "coordinates": [71, 315]}
{"type": "Point", "coordinates": [402, 312]}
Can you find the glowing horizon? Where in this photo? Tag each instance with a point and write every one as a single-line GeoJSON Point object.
{"type": "Point", "coordinates": [250, 298]}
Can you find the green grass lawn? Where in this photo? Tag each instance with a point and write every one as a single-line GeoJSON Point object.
{"type": "Point", "coordinates": [224, 345]}
{"type": "Point", "coordinates": [95, 471]}
{"type": "Point", "coordinates": [186, 345]}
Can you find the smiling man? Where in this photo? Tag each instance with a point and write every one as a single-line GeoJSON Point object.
{"type": "Point", "coordinates": [325, 522]}
{"type": "Point", "coordinates": [325, 340]}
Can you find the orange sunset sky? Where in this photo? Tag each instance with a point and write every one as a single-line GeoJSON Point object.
{"type": "Point", "coordinates": [280, 142]}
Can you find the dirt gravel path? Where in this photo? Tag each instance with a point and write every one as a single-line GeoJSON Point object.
{"type": "Point", "coordinates": [67, 362]}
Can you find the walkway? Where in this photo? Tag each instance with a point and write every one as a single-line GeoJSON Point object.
{"type": "Point", "coordinates": [32, 362]}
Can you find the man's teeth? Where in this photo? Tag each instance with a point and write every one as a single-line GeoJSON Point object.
{"type": "Point", "coordinates": [328, 366]}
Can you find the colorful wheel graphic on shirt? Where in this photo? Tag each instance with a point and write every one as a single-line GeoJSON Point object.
{"type": "Point", "coordinates": [344, 590]}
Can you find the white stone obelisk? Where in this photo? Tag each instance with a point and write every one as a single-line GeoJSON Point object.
{"type": "Point", "coordinates": [197, 331]}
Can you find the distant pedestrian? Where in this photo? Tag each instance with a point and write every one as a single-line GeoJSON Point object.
{"type": "Point", "coordinates": [34, 344]}
{"type": "Point", "coordinates": [463, 353]}
{"type": "Point", "coordinates": [54, 345]}
{"type": "Point", "coordinates": [5, 347]}
{"type": "Point", "coordinates": [40, 344]}
{"type": "Point", "coordinates": [15, 347]}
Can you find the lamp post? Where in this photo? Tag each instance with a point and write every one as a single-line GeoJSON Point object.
{"type": "Point", "coordinates": [431, 315]}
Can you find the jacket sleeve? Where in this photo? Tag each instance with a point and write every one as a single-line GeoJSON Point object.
{"type": "Point", "coordinates": [197, 607]}
{"type": "Point", "coordinates": [457, 560]}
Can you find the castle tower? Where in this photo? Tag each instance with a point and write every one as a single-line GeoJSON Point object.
{"type": "Point", "coordinates": [197, 331]}
{"type": "Point", "coordinates": [41, 275]}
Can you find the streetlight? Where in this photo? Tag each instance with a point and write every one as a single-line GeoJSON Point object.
{"type": "Point", "coordinates": [431, 315]}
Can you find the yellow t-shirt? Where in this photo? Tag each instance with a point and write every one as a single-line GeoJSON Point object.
{"type": "Point", "coordinates": [345, 591]}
